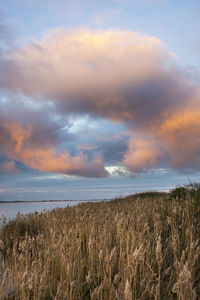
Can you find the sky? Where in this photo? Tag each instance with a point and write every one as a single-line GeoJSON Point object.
{"type": "Point", "coordinates": [98, 98]}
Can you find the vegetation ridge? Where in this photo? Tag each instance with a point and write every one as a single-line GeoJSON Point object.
{"type": "Point", "coordinates": [144, 246]}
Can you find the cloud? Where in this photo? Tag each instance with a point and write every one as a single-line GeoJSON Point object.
{"type": "Point", "coordinates": [180, 136]}
{"type": "Point", "coordinates": [36, 143]}
{"type": "Point", "coordinates": [17, 145]}
{"type": "Point", "coordinates": [174, 142]}
{"type": "Point", "coordinates": [8, 167]}
{"type": "Point", "coordinates": [119, 171]}
{"type": "Point", "coordinates": [142, 155]}
{"type": "Point", "coordinates": [118, 75]}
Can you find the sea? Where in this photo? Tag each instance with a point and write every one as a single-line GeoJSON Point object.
{"type": "Point", "coordinates": [9, 210]}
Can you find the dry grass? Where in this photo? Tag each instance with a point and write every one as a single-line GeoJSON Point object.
{"type": "Point", "coordinates": [141, 247]}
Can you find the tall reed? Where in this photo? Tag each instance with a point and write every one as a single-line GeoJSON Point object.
{"type": "Point", "coordinates": [141, 247]}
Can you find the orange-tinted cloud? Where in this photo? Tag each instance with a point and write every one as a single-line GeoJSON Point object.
{"type": "Point", "coordinates": [180, 136]}
{"type": "Point", "coordinates": [174, 142]}
{"type": "Point", "coordinates": [17, 144]}
{"type": "Point", "coordinates": [142, 154]}
{"type": "Point", "coordinates": [118, 75]}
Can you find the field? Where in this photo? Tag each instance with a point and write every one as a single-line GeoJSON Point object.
{"type": "Point", "coordinates": [145, 246]}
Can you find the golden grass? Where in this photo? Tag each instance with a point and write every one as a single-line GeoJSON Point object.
{"type": "Point", "coordinates": [133, 248]}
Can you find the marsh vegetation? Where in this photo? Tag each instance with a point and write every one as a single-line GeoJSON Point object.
{"type": "Point", "coordinates": [144, 246]}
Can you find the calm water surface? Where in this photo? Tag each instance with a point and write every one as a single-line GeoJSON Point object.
{"type": "Point", "coordinates": [10, 210]}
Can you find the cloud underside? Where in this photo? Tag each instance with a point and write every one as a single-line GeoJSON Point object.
{"type": "Point", "coordinates": [120, 76]}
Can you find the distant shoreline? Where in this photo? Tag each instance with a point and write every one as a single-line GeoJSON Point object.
{"type": "Point", "coordinates": [48, 201]}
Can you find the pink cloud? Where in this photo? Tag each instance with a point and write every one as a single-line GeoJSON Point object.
{"type": "Point", "coordinates": [17, 144]}
{"type": "Point", "coordinates": [142, 154]}
{"type": "Point", "coordinates": [119, 75]}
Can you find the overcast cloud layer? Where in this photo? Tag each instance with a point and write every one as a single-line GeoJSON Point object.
{"type": "Point", "coordinates": [120, 76]}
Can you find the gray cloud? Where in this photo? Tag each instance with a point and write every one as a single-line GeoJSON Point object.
{"type": "Point", "coordinates": [34, 139]}
{"type": "Point", "coordinates": [119, 75]}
